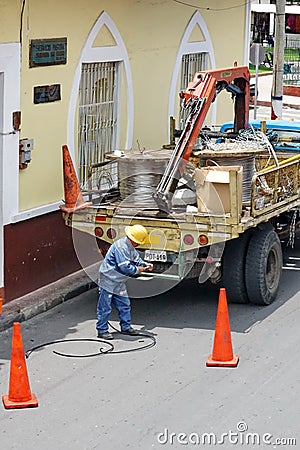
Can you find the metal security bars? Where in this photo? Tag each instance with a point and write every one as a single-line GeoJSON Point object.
{"type": "Point", "coordinates": [98, 106]}
{"type": "Point", "coordinates": [191, 63]}
{"type": "Point", "coordinates": [291, 66]}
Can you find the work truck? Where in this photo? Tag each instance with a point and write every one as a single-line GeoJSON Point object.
{"type": "Point", "coordinates": [219, 204]}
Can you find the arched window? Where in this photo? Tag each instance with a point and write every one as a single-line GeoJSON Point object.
{"type": "Point", "coordinates": [195, 53]}
{"type": "Point", "coordinates": [103, 63]}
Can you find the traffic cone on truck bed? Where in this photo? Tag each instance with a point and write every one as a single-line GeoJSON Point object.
{"type": "Point", "coordinates": [73, 196]}
{"type": "Point", "coordinates": [19, 395]}
{"type": "Point", "coordinates": [222, 355]}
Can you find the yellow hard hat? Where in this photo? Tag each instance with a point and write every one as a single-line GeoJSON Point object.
{"type": "Point", "coordinates": [137, 233]}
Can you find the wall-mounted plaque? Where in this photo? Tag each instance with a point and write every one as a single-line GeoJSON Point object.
{"type": "Point", "coordinates": [46, 94]}
{"type": "Point", "coordinates": [47, 52]}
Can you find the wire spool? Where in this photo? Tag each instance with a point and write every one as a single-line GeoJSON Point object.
{"type": "Point", "coordinates": [139, 175]}
{"type": "Point", "coordinates": [248, 164]}
{"type": "Point", "coordinates": [235, 157]}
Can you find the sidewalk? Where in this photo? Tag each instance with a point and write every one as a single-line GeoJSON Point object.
{"type": "Point", "coordinates": [47, 297]}
{"type": "Point", "coordinates": [264, 93]}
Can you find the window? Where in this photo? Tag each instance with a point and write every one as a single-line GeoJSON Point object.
{"type": "Point", "coordinates": [98, 105]}
{"type": "Point", "coordinates": [190, 64]}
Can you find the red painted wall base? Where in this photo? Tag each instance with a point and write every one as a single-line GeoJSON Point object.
{"type": "Point", "coordinates": [42, 250]}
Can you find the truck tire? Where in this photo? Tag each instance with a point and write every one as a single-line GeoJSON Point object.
{"type": "Point", "coordinates": [233, 273]}
{"type": "Point", "coordinates": [263, 266]}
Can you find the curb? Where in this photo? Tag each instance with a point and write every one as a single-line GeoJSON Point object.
{"type": "Point", "coordinates": [47, 297]}
{"type": "Point", "coordinates": [262, 74]}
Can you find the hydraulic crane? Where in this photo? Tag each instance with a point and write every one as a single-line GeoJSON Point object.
{"type": "Point", "coordinates": [198, 97]}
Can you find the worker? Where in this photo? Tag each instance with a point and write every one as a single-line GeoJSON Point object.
{"type": "Point", "coordinates": [121, 262]}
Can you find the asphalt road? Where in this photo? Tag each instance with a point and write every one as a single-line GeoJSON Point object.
{"type": "Point", "coordinates": [136, 400]}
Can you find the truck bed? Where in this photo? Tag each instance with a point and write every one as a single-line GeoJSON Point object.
{"type": "Point", "coordinates": [274, 190]}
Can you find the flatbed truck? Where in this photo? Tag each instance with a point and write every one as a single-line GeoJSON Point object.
{"type": "Point", "coordinates": [236, 241]}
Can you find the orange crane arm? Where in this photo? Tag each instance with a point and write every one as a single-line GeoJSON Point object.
{"type": "Point", "coordinates": [198, 97]}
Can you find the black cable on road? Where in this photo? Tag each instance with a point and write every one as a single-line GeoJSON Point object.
{"type": "Point", "coordinates": [110, 351]}
{"type": "Point", "coordinates": [88, 355]}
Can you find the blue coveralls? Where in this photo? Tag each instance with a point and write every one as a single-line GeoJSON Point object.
{"type": "Point", "coordinates": [120, 262]}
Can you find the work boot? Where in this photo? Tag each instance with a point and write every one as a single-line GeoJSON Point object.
{"type": "Point", "coordinates": [131, 331]}
{"type": "Point", "coordinates": [108, 336]}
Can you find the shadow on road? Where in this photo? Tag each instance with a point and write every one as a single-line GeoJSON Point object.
{"type": "Point", "coordinates": [194, 305]}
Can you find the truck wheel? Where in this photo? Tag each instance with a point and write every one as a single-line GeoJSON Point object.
{"type": "Point", "coordinates": [263, 266]}
{"type": "Point", "coordinates": [234, 259]}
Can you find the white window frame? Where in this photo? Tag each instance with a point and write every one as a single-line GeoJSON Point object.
{"type": "Point", "coordinates": [90, 53]}
{"type": "Point", "coordinates": [185, 48]}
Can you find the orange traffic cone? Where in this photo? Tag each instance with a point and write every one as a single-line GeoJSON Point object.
{"type": "Point", "coordinates": [73, 197]}
{"type": "Point", "coordinates": [222, 354]}
{"type": "Point", "coordinates": [19, 395]}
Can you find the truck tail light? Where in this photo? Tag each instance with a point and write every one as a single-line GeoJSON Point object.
{"type": "Point", "coordinates": [203, 240]}
{"type": "Point", "coordinates": [100, 218]}
{"type": "Point", "coordinates": [98, 232]}
{"type": "Point", "coordinates": [111, 233]}
{"type": "Point", "coordinates": [188, 239]}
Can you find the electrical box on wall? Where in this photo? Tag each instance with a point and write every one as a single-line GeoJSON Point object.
{"type": "Point", "coordinates": [25, 147]}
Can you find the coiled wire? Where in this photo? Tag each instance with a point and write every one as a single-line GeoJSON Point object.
{"type": "Point", "coordinates": [247, 141]}
{"type": "Point", "coordinates": [102, 351]}
{"type": "Point", "coordinates": [248, 165]}
{"type": "Point", "coordinates": [139, 175]}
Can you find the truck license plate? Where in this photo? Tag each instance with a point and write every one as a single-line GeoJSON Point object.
{"type": "Point", "coordinates": [155, 255]}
